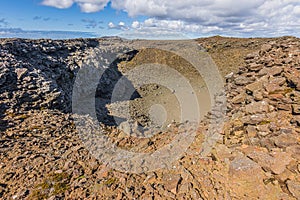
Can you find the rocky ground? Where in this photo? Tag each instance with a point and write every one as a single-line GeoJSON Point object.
{"type": "Point", "coordinates": [43, 157]}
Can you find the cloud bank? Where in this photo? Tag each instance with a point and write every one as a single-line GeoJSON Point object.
{"type": "Point", "coordinates": [226, 17]}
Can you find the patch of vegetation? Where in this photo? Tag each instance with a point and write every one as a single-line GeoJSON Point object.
{"type": "Point", "coordinates": [11, 115]}
{"type": "Point", "coordinates": [110, 181]}
{"type": "Point", "coordinates": [53, 184]}
{"type": "Point", "coordinates": [23, 116]}
{"type": "Point", "coordinates": [265, 122]}
{"type": "Point", "coordinates": [35, 127]}
{"type": "Point", "coordinates": [80, 177]}
{"type": "Point", "coordinates": [42, 108]}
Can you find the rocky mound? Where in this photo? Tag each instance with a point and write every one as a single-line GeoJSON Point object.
{"type": "Point", "coordinates": [42, 156]}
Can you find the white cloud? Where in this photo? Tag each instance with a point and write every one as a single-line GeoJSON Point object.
{"type": "Point", "coordinates": [111, 25]}
{"type": "Point", "coordinates": [121, 23]}
{"type": "Point", "coordinates": [154, 28]}
{"type": "Point", "coordinates": [58, 3]}
{"type": "Point", "coordinates": [225, 17]}
{"type": "Point", "coordinates": [152, 33]}
{"type": "Point", "coordinates": [296, 10]}
{"type": "Point", "coordinates": [135, 24]}
{"type": "Point", "coordinates": [231, 17]}
{"type": "Point", "coordinates": [120, 26]}
{"type": "Point", "coordinates": [87, 6]}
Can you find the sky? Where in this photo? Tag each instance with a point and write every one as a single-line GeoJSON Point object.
{"type": "Point", "coordinates": [149, 18]}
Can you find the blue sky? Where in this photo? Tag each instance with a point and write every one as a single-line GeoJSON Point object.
{"type": "Point", "coordinates": [31, 15]}
{"type": "Point", "coordinates": [148, 18]}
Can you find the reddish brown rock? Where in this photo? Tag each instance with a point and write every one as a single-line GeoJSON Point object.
{"type": "Point", "coordinates": [254, 119]}
{"type": "Point", "coordinates": [276, 161]}
{"type": "Point", "coordinates": [246, 181]}
{"type": "Point", "coordinates": [296, 109]}
{"type": "Point", "coordinates": [285, 140]}
{"type": "Point", "coordinates": [258, 95]}
{"type": "Point", "coordinates": [295, 151]}
{"type": "Point", "coordinates": [294, 188]}
{"type": "Point", "coordinates": [293, 77]}
{"type": "Point", "coordinates": [171, 182]}
{"type": "Point", "coordinates": [254, 86]}
{"type": "Point", "coordinates": [257, 107]}
{"type": "Point", "coordinates": [251, 131]}
{"type": "Point", "coordinates": [255, 67]}
{"type": "Point", "coordinates": [285, 107]}
{"type": "Point", "coordinates": [240, 98]}
{"type": "Point", "coordinates": [265, 48]}
{"type": "Point", "coordinates": [241, 80]}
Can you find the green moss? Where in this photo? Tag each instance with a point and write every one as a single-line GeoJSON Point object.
{"type": "Point", "coordinates": [11, 115]}
{"type": "Point", "coordinates": [265, 122]}
{"type": "Point", "coordinates": [110, 181]}
{"type": "Point", "coordinates": [43, 108]}
{"type": "Point", "coordinates": [53, 184]}
{"type": "Point", "coordinates": [269, 180]}
{"type": "Point", "coordinates": [24, 116]}
{"type": "Point", "coordinates": [80, 177]}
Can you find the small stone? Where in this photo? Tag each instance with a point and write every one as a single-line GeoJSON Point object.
{"type": "Point", "coordinates": [265, 48]}
{"type": "Point", "coordinates": [255, 67]}
{"type": "Point", "coordinates": [125, 127]}
{"type": "Point", "coordinates": [229, 76]}
{"type": "Point", "coordinates": [239, 133]}
{"type": "Point", "coordinates": [241, 80]}
{"type": "Point", "coordinates": [184, 188]}
{"type": "Point", "coordinates": [27, 78]}
{"type": "Point", "coordinates": [296, 119]}
{"type": "Point", "coordinates": [171, 182]}
{"type": "Point", "coordinates": [296, 109]}
{"type": "Point", "coordinates": [263, 128]}
{"type": "Point", "coordinates": [286, 107]}
{"type": "Point", "coordinates": [31, 175]}
{"type": "Point", "coordinates": [151, 178]}
{"type": "Point", "coordinates": [275, 71]}
{"type": "Point", "coordinates": [58, 171]}
{"type": "Point", "coordinates": [257, 107]}
{"type": "Point", "coordinates": [20, 72]}
{"type": "Point", "coordinates": [295, 151]}
{"type": "Point", "coordinates": [278, 81]}
{"type": "Point", "coordinates": [254, 119]}
{"type": "Point", "coordinates": [251, 131]}
{"type": "Point", "coordinates": [272, 88]}
{"type": "Point", "coordinates": [276, 97]}
{"type": "Point", "coordinates": [251, 56]}
{"type": "Point", "coordinates": [263, 134]}
{"type": "Point", "coordinates": [239, 98]}
{"type": "Point", "coordinates": [242, 163]}
{"type": "Point", "coordinates": [284, 140]}
{"type": "Point", "coordinates": [254, 86]}
{"type": "Point", "coordinates": [294, 188]}
{"type": "Point", "coordinates": [286, 175]}
{"type": "Point", "coordinates": [293, 77]}
{"type": "Point", "coordinates": [258, 96]}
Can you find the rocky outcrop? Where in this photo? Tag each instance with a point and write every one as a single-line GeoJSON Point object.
{"type": "Point", "coordinates": [41, 74]}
